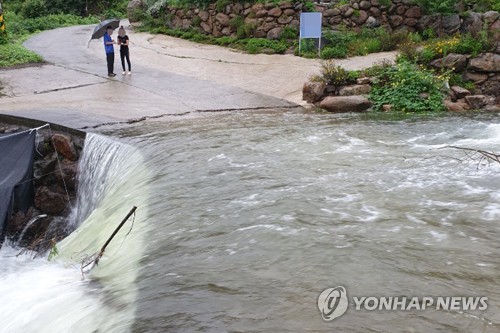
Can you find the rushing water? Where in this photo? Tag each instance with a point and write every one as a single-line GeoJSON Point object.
{"type": "Point", "coordinates": [243, 220]}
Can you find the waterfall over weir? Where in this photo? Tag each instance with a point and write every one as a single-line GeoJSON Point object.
{"type": "Point", "coordinates": [42, 296]}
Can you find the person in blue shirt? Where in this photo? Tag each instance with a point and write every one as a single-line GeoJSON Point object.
{"type": "Point", "coordinates": [110, 50]}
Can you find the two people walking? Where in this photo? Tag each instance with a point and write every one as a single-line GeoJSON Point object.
{"type": "Point", "coordinates": [123, 41]}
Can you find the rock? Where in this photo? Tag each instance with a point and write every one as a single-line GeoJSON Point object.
{"type": "Point", "coordinates": [453, 60]}
{"type": "Point", "coordinates": [495, 31]}
{"type": "Point", "coordinates": [275, 33]}
{"type": "Point", "coordinates": [410, 22]}
{"type": "Point", "coordinates": [432, 22]}
{"type": "Point", "coordinates": [460, 92]}
{"type": "Point", "coordinates": [50, 202]}
{"type": "Point", "coordinates": [472, 24]}
{"type": "Point", "coordinates": [286, 5]}
{"type": "Point", "coordinates": [375, 3]}
{"type": "Point", "coordinates": [312, 92]}
{"type": "Point", "coordinates": [372, 22]}
{"type": "Point", "coordinates": [360, 18]}
{"type": "Point", "coordinates": [275, 12]}
{"type": "Point", "coordinates": [294, 24]}
{"type": "Point", "coordinates": [486, 62]}
{"type": "Point", "coordinates": [223, 19]}
{"type": "Point", "coordinates": [226, 31]}
{"type": "Point", "coordinates": [456, 106]}
{"type": "Point", "coordinates": [261, 13]}
{"type": "Point", "coordinates": [363, 80]}
{"type": "Point", "coordinates": [386, 107]}
{"type": "Point", "coordinates": [349, 12]}
{"type": "Point", "coordinates": [490, 17]}
{"type": "Point", "coordinates": [476, 101]}
{"type": "Point", "coordinates": [269, 5]}
{"type": "Point", "coordinates": [291, 12]}
{"type": "Point", "coordinates": [414, 12]}
{"type": "Point", "coordinates": [63, 144]}
{"type": "Point", "coordinates": [374, 11]}
{"type": "Point", "coordinates": [285, 19]}
{"type": "Point", "coordinates": [203, 15]}
{"type": "Point", "coordinates": [331, 12]}
{"type": "Point", "coordinates": [135, 8]}
{"type": "Point", "coordinates": [206, 28]}
{"type": "Point", "coordinates": [451, 24]}
{"type": "Point", "coordinates": [345, 104]}
{"type": "Point", "coordinates": [400, 10]}
{"type": "Point", "coordinates": [477, 78]}
{"type": "Point", "coordinates": [355, 5]}
{"type": "Point", "coordinates": [268, 27]}
{"type": "Point", "coordinates": [492, 86]}
{"type": "Point", "coordinates": [358, 89]}
{"type": "Point", "coordinates": [364, 4]}
{"type": "Point", "coordinates": [395, 20]}
{"type": "Point", "coordinates": [237, 8]}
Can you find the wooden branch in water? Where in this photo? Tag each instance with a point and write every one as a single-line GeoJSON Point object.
{"type": "Point", "coordinates": [484, 155]}
{"type": "Point", "coordinates": [94, 259]}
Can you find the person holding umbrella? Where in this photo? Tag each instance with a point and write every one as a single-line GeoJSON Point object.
{"type": "Point", "coordinates": [110, 50]}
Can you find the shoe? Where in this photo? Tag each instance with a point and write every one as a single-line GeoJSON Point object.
{"type": "Point", "coordinates": [129, 72]}
{"type": "Point", "coordinates": [111, 74]}
{"type": "Point", "coordinates": [123, 73]}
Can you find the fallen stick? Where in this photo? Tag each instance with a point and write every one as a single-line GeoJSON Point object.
{"type": "Point", "coordinates": [99, 255]}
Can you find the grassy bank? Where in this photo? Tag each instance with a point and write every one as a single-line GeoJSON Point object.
{"type": "Point", "coordinates": [19, 28]}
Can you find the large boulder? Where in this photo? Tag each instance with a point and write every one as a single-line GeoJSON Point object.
{"type": "Point", "coordinates": [486, 62]}
{"type": "Point", "coordinates": [472, 23]}
{"type": "Point", "coordinates": [456, 106]}
{"type": "Point", "coordinates": [50, 202]}
{"type": "Point", "coordinates": [451, 24]}
{"type": "Point", "coordinates": [460, 92]}
{"type": "Point", "coordinates": [476, 101]}
{"type": "Point", "coordinates": [63, 144]}
{"type": "Point", "coordinates": [135, 8]}
{"type": "Point", "coordinates": [432, 22]}
{"type": "Point", "coordinates": [454, 61]}
{"type": "Point", "coordinates": [275, 33]}
{"type": "Point", "coordinates": [313, 91]}
{"type": "Point", "coordinates": [345, 104]}
{"type": "Point", "coordinates": [357, 89]}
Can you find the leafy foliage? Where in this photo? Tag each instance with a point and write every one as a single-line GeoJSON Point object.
{"type": "Point", "coordinates": [336, 75]}
{"type": "Point", "coordinates": [16, 54]}
{"type": "Point", "coordinates": [408, 88]}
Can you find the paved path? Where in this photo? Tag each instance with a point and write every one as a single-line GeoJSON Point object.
{"type": "Point", "coordinates": [170, 77]}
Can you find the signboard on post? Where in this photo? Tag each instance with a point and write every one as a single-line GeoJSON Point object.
{"type": "Point", "coordinates": [310, 27]}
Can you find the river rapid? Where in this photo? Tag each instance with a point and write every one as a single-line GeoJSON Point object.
{"type": "Point", "coordinates": [244, 219]}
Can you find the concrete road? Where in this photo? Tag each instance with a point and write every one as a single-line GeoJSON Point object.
{"type": "Point", "coordinates": [169, 77]}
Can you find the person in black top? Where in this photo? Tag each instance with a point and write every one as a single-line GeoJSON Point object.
{"type": "Point", "coordinates": [123, 41]}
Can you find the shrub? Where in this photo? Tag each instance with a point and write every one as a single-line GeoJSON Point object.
{"type": "Point", "coordinates": [236, 22]}
{"type": "Point", "coordinates": [408, 88]}
{"type": "Point", "coordinates": [334, 52]}
{"type": "Point", "coordinates": [289, 33]}
{"type": "Point", "coordinates": [256, 45]}
{"type": "Point", "coordinates": [33, 8]}
{"type": "Point", "coordinates": [445, 7]}
{"type": "Point", "coordinates": [15, 54]}
{"type": "Point", "coordinates": [336, 75]}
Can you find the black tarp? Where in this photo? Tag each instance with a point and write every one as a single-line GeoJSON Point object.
{"type": "Point", "coordinates": [16, 173]}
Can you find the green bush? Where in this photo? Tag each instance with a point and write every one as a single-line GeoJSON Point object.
{"type": "Point", "coordinates": [15, 54]}
{"type": "Point", "coordinates": [34, 8]}
{"type": "Point", "coordinates": [469, 44]}
{"type": "Point", "coordinates": [256, 45]}
{"type": "Point", "coordinates": [289, 33]}
{"type": "Point", "coordinates": [336, 75]}
{"type": "Point", "coordinates": [333, 53]}
{"type": "Point", "coordinates": [445, 7]}
{"type": "Point", "coordinates": [408, 88]}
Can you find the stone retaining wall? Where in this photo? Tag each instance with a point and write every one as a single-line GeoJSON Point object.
{"type": "Point", "coordinates": [269, 20]}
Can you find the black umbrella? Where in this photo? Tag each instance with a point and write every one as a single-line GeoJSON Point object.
{"type": "Point", "coordinates": [100, 29]}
